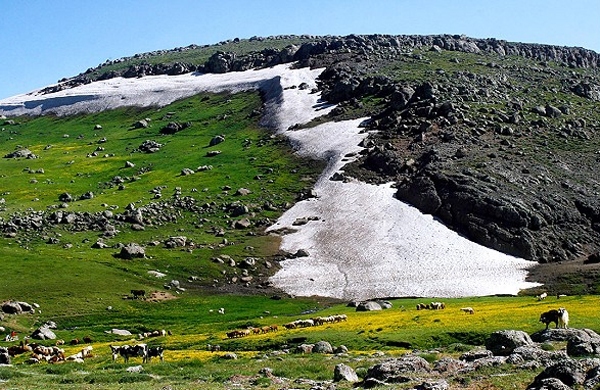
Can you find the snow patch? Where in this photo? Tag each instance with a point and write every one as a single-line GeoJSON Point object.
{"type": "Point", "coordinates": [365, 243]}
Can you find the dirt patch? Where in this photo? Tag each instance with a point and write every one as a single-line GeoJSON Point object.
{"type": "Point", "coordinates": [160, 296]}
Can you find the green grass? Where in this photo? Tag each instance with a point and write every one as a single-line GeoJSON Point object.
{"type": "Point", "coordinates": [189, 364]}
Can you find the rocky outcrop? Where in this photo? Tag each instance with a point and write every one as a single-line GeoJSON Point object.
{"type": "Point", "coordinates": [322, 51]}
{"type": "Point", "coordinates": [504, 342]}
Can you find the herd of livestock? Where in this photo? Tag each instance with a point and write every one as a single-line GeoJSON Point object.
{"type": "Point", "coordinates": [302, 323]}
{"type": "Point", "coordinates": [56, 354]}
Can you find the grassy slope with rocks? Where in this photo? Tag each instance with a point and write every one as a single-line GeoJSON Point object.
{"type": "Point", "coordinates": [491, 117]}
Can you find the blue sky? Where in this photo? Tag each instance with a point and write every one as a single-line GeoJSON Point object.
{"type": "Point", "coordinates": [42, 41]}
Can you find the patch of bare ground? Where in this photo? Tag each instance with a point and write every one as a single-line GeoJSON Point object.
{"type": "Point", "coordinates": [160, 296]}
{"type": "Point", "coordinates": [567, 277]}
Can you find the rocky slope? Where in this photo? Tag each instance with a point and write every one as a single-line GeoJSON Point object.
{"type": "Point", "coordinates": [498, 140]}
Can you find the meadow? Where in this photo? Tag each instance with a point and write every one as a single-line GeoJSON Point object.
{"type": "Point", "coordinates": [194, 323]}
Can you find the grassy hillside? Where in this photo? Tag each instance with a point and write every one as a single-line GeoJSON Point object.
{"type": "Point", "coordinates": [55, 265]}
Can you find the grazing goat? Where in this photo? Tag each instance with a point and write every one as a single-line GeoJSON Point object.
{"type": "Point", "coordinates": [563, 318]}
{"type": "Point", "coordinates": [138, 294]}
{"type": "Point", "coordinates": [467, 310]}
{"type": "Point", "coordinates": [550, 316]}
{"type": "Point", "coordinates": [542, 296]}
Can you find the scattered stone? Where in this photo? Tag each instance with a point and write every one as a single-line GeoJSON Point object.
{"type": "Point", "coordinates": [344, 373]}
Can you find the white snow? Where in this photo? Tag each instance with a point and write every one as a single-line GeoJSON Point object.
{"type": "Point", "coordinates": [365, 243]}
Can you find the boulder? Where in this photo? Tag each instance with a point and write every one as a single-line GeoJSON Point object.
{"type": "Point", "coordinates": [476, 354]}
{"type": "Point", "coordinates": [141, 124]}
{"type": "Point", "coordinates": [548, 384]}
{"type": "Point", "coordinates": [504, 342]}
{"type": "Point", "coordinates": [216, 140]}
{"type": "Point", "coordinates": [176, 242]}
{"type": "Point", "coordinates": [441, 384]}
{"type": "Point", "coordinates": [322, 347]}
{"type": "Point", "coordinates": [398, 370]}
{"type": "Point", "coordinates": [20, 153]}
{"type": "Point", "coordinates": [304, 348]}
{"type": "Point", "coordinates": [368, 306]}
{"type": "Point", "coordinates": [242, 223]}
{"type": "Point", "coordinates": [586, 342]}
{"type": "Point", "coordinates": [448, 365]}
{"type": "Point", "coordinates": [150, 146]}
{"type": "Point", "coordinates": [344, 373]}
{"type": "Point", "coordinates": [26, 307]}
{"type": "Point", "coordinates": [568, 371]}
{"type": "Point", "coordinates": [385, 304]}
{"type": "Point", "coordinates": [132, 251]}
{"type": "Point", "coordinates": [119, 332]}
{"type": "Point", "coordinates": [174, 127]}
{"type": "Point", "coordinates": [43, 333]}
{"type": "Point", "coordinates": [531, 353]}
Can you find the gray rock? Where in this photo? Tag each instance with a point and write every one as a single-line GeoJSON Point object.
{"type": "Point", "coordinates": [43, 333]}
{"type": "Point", "coordinates": [176, 242]}
{"type": "Point", "coordinates": [449, 365]}
{"type": "Point", "coordinates": [305, 348]}
{"type": "Point", "coordinates": [322, 347]}
{"type": "Point", "coordinates": [21, 153]}
{"type": "Point", "coordinates": [368, 306]}
{"type": "Point", "coordinates": [504, 342]}
{"type": "Point", "coordinates": [592, 380]}
{"type": "Point", "coordinates": [441, 384]}
{"type": "Point", "coordinates": [548, 384]}
{"type": "Point", "coordinates": [583, 343]}
{"type": "Point", "coordinates": [243, 223]}
{"type": "Point", "coordinates": [132, 251]}
{"type": "Point", "coordinates": [141, 124]}
{"type": "Point", "coordinates": [344, 373]}
{"type": "Point", "coordinates": [230, 356]}
{"type": "Point", "coordinates": [119, 332]}
{"type": "Point", "coordinates": [568, 371]}
{"type": "Point", "coordinates": [135, 369]}
{"type": "Point", "coordinates": [398, 370]}
{"type": "Point", "coordinates": [216, 140]}
{"type": "Point", "coordinates": [385, 304]}
{"type": "Point", "coordinates": [534, 353]}
{"type": "Point", "coordinates": [475, 355]}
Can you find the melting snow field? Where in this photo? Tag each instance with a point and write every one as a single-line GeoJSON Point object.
{"type": "Point", "coordinates": [364, 243]}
